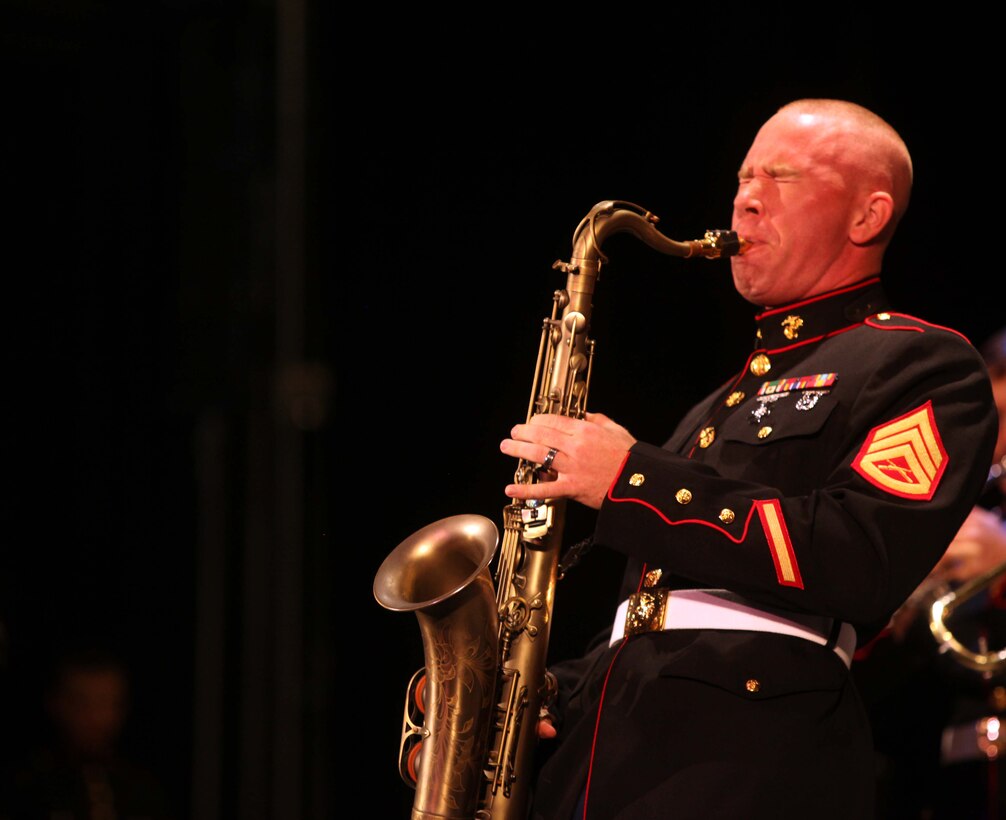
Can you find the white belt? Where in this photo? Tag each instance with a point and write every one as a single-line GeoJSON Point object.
{"type": "Point", "coordinates": [722, 609]}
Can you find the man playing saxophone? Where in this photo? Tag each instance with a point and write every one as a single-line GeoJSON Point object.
{"type": "Point", "coordinates": [785, 519]}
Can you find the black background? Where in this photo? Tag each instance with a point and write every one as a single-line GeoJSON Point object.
{"type": "Point", "coordinates": [444, 176]}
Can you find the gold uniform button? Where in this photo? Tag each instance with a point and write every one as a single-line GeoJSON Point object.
{"type": "Point", "coordinates": [636, 479]}
{"type": "Point", "coordinates": [753, 685]}
{"type": "Point", "coordinates": [735, 398]}
{"type": "Point", "coordinates": [883, 316]}
{"type": "Point", "coordinates": [683, 496]}
{"type": "Point", "coordinates": [707, 436]}
{"type": "Point", "coordinates": [760, 365]}
{"type": "Point", "coordinates": [727, 516]}
{"type": "Point", "coordinates": [765, 432]}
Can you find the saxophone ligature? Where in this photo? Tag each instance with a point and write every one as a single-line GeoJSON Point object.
{"type": "Point", "coordinates": [469, 724]}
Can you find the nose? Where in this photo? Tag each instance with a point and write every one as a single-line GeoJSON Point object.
{"type": "Point", "coordinates": [748, 200]}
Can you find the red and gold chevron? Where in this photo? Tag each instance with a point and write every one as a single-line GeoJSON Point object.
{"type": "Point", "coordinates": [904, 457]}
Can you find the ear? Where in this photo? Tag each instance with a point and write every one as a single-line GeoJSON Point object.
{"type": "Point", "coordinates": [873, 216]}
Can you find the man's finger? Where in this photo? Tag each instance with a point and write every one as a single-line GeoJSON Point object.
{"type": "Point", "coordinates": [535, 453]}
{"type": "Point", "coordinates": [541, 490]}
{"type": "Point", "coordinates": [553, 421]}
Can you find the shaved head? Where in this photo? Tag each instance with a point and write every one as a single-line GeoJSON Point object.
{"type": "Point", "coordinates": [867, 147]}
{"type": "Point", "coordinates": [819, 195]}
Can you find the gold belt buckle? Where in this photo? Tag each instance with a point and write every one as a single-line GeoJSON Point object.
{"type": "Point", "coordinates": [646, 611]}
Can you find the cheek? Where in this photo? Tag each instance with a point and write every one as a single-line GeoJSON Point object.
{"type": "Point", "coordinates": [817, 217]}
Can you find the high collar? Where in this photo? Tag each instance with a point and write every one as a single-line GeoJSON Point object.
{"type": "Point", "coordinates": [817, 316]}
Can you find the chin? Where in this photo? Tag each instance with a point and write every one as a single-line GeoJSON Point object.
{"type": "Point", "coordinates": [744, 284]}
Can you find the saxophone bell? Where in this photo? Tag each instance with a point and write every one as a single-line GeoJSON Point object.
{"type": "Point", "coordinates": [441, 573]}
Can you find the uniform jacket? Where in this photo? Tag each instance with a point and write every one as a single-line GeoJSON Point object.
{"type": "Point", "coordinates": [826, 476]}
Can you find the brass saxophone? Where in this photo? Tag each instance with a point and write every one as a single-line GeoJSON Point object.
{"type": "Point", "coordinates": [469, 727]}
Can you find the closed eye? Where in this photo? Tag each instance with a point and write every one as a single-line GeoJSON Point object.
{"type": "Point", "coordinates": [782, 172]}
{"type": "Point", "coordinates": [779, 172]}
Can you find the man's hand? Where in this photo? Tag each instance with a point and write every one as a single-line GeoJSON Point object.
{"type": "Point", "coordinates": [979, 545]}
{"type": "Point", "coordinates": [546, 731]}
{"type": "Point", "coordinates": [588, 455]}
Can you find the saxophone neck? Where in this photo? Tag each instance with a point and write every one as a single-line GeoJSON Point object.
{"type": "Point", "coordinates": [618, 216]}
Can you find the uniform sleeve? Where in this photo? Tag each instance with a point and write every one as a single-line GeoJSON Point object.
{"type": "Point", "coordinates": [909, 454]}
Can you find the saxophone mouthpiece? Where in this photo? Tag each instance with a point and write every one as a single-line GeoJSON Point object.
{"type": "Point", "coordinates": [720, 243]}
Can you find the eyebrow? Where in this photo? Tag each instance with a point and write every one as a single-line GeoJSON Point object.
{"type": "Point", "coordinates": [774, 170]}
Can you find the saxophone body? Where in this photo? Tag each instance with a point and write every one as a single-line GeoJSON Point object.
{"type": "Point", "coordinates": [470, 720]}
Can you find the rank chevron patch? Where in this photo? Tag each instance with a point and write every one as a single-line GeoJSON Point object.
{"type": "Point", "coordinates": [904, 457]}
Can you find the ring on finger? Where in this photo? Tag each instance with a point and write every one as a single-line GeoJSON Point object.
{"type": "Point", "coordinates": [549, 458]}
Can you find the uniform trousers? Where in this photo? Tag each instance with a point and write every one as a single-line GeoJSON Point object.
{"type": "Point", "coordinates": [711, 724]}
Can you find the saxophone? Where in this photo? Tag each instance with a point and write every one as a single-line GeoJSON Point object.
{"type": "Point", "coordinates": [469, 725]}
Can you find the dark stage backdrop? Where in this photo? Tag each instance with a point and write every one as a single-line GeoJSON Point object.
{"type": "Point", "coordinates": [278, 287]}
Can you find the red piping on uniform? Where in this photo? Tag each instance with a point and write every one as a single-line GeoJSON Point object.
{"type": "Point", "coordinates": [667, 520]}
{"type": "Point", "coordinates": [863, 652]}
{"type": "Point", "coordinates": [618, 475]}
{"type": "Point", "coordinates": [597, 726]}
{"type": "Point", "coordinates": [819, 297]}
{"type": "Point", "coordinates": [813, 340]}
{"type": "Point", "coordinates": [916, 329]}
{"type": "Point", "coordinates": [604, 688]}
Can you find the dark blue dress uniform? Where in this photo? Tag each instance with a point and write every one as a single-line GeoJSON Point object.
{"type": "Point", "coordinates": [824, 480]}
